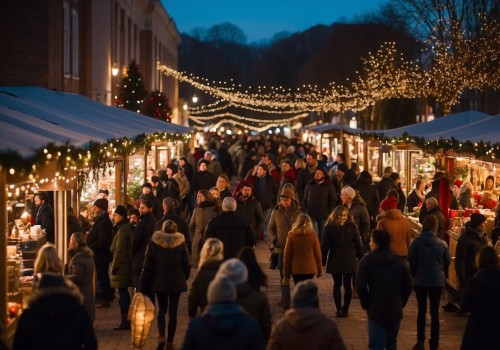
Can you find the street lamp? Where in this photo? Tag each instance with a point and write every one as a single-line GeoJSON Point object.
{"type": "Point", "coordinates": [195, 99]}
{"type": "Point", "coordinates": [185, 106]}
{"type": "Point", "coordinates": [114, 69]}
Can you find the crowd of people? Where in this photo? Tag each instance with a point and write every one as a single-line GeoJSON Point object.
{"type": "Point", "coordinates": [316, 216]}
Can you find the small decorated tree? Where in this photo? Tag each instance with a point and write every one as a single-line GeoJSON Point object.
{"type": "Point", "coordinates": [131, 91]}
{"type": "Point", "coordinates": [156, 106]}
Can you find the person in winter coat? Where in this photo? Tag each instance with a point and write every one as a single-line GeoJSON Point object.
{"type": "Point", "coordinates": [429, 259]}
{"type": "Point", "coordinates": [234, 232]}
{"type": "Point", "coordinates": [319, 200]}
{"type": "Point", "coordinates": [73, 225]}
{"type": "Point", "coordinates": [83, 219]}
{"type": "Point", "coordinates": [99, 240]}
{"type": "Point", "coordinates": [142, 234]}
{"type": "Point", "coordinates": [302, 256]}
{"type": "Point", "coordinates": [383, 282]}
{"type": "Point", "coordinates": [45, 215]}
{"type": "Point", "coordinates": [288, 174]}
{"type": "Point", "coordinates": [431, 206]}
{"type": "Point", "coordinates": [202, 180]}
{"type": "Point", "coordinates": [306, 175]}
{"type": "Point", "coordinates": [147, 195]}
{"type": "Point", "coordinates": [396, 225]}
{"type": "Point", "coordinates": [214, 165]}
{"type": "Point", "coordinates": [359, 213]}
{"type": "Point", "coordinates": [466, 200]}
{"type": "Point", "coordinates": [81, 271]}
{"type": "Point", "coordinates": [387, 183]}
{"type": "Point", "coordinates": [340, 237]}
{"type": "Point", "coordinates": [172, 186]}
{"type": "Point", "coordinates": [224, 325]}
{"type": "Point", "coordinates": [416, 197]}
{"type": "Point", "coordinates": [265, 190]}
{"type": "Point", "coordinates": [254, 302]}
{"type": "Point", "coordinates": [166, 270]}
{"type": "Point", "coordinates": [170, 210]}
{"type": "Point", "coordinates": [222, 185]}
{"type": "Point", "coordinates": [188, 168]}
{"type": "Point", "coordinates": [280, 223]}
{"type": "Point", "coordinates": [206, 209]}
{"type": "Point", "coordinates": [249, 207]}
{"type": "Point", "coordinates": [468, 246]}
{"type": "Point", "coordinates": [368, 192]}
{"type": "Point", "coordinates": [55, 318]}
{"type": "Point", "coordinates": [211, 256]}
{"type": "Point", "coordinates": [121, 266]}
{"type": "Point", "coordinates": [304, 326]}
{"type": "Point", "coordinates": [480, 298]}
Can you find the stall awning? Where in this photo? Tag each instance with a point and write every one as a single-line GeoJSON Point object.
{"type": "Point", "coordinates": [326, 128]}
{"type": "Point", "coordinates": [486, 130]}
{"type": "Point", "coordinates": [36, 116]}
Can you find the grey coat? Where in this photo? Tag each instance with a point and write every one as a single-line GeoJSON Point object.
{"type": "Point", "coordinates": [280, 224]}
{"type": "Point", "coordinates": [81, 271]}
{"type": "Point", "coordinates": [202, 214]}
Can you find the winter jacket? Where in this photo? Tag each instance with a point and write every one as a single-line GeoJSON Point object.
{"type": "Point", "coordinates": [305, 328]}
{"type": "Point", "coordinates": [142, 235]}
{"type": "Point", "coordinates": [398, 228]}
{"type": "Point", "coordinates": [436, 211]}
{"type": "Point", "coordinates": [172, 189]}
{"type": "Point", "coordinates": [215, 168]}
{"type": "Point", "coordinates": [182, 226]}
{"type": "Point", "coordinates": [429, 259]}
{"type": "Point", "coordinates": [468, 246]}
{"type": "Point", "coordinates": [341, 247]}
{"type": "Point", "coordinates": [480, 298]}
{"type": "Point", "coordinates": [413, 201]}
{"type": "Point", "coordinates": [265, 190]}
{"type": "Point", "coordinates": [45, 218]}
{"type": "Point", "coordinates": [319, 199]}
{"type": "Point", "coordinates": [369, 194]}
{"type": "Point", "coordinates": [121, 266]}
{"type": "Point", "coordinates": [251, 209]}
{"type": "Point", "coordinates": [234, 232]}
{"type": "Point", "coordinates": [303, 178]}
{"type": "Point", "coordinates": [223, 326]}
{"type": "Point", "coordinates": [280, 223]}
{"type": "Point", "coordinates": [197, 297]}
{"type": "Point", "coordinates": [55, 320]}
{"type": "Point", "coordinates": [384, 285]}
{"type": "Point", "coordinates": [255, 303]}
{"type": "Point", "coordinates": [157, 205]}
{"type": "Point", "coordinates": [99, 239]}
{"type": "Point", "coordinates": [384, 186]}
{"type": "Point", "coordinates": [184, 185]}
{"type": "Point", "coordinates": [81, 271]}
{"type": "Point", "coordinates": [84, 224]}
{"type": "Point", "coordinates": [202, 214]}
{"type": "Point", "coordinates": [302, 254]}
{"type": "Point", "coordinates": [434, 192]}
{"type": "Point", "coordinates": [361, 218]}
{"type": "Point", "coordinates": [166, 266]}
{"type": "Point", "coordinates": [202, 180]}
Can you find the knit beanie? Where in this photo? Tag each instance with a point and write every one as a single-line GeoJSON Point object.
{"type": "Point", "coordinates": [173, 167]}
{"type": "Point", "coordinates": [235, 270]}
{"type": "Point", "coordinates": [305, 294]}
{"type": "Point", "coordinates": [288, 193]}
{"type": "Point", "coordinates": [349, 191]}
{"type": "Point", "coordinates": [389, 203]}
{"type": "Point", "coordinates": [102, 203]}
{"type": "Point", "coordinates": [221, 290]}
{"type": "Point", "coordinates": [476, 219]}
{"type": "Point", "coordinates": [122, 211]}
{"type": "Point", "coordinates": [229, 204]}
{"type": "Point", "coordinates": [342, 167]}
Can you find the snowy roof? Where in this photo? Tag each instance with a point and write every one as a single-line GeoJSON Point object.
{"type": "Point", "coordinates": [32, 117]}
{"type": "Point", "coordinates": [487, 129]}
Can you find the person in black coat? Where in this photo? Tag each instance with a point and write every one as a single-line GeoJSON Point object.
{"type": "Point", "coordinates": [142, 234]}
{"type": "Point", "coordinates": [202, 180]}
{"type": "Point", "coordinates": [387, 183]}
{"type": "Point", "coordinates": [99, 240]}
{"type": "Point", "coordinates": [306, 175]}
{"type": "Point", "coordinates": [265, 190]}
{"type": "Point", "coordinates": [234, 232]}
{"type": "Point", "coordinates": [480, 298]}
{"type": "Point", "coordinates": [166, 271]}
{"type": "Point", "coordinates": [249, 207]}
{"type": "Point", "coordinates": [170, 206]}
{"type": "Point", "coordinates": [383, 282]}
{"type": "Point", "coordinates": [368, 191]}
{"type": "Point", "coordinates": [341, 260]}
{"type": "Point", "coordinates": [55, 318]}
{"type": "Point", "coordinates": [147, 195]}
{"type": "Point", "coordinates": [188, 168]}
{"type": "Point", "coordinates": [432, 207]}
{"type": "Point", "coordinates": [45, 215]}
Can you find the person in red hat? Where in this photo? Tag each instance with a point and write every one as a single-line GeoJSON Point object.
{"type": "Point", "coordinates": [396, 225]}
{"type": "Point", "coordinates": [456, 188]}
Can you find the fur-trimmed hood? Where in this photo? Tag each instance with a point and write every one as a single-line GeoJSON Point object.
{"type": "Point", "coordinates": [168, 240]}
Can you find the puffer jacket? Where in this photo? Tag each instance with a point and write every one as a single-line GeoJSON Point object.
{"type": "Point", "coordinates": [166, 266]}
{"type": "Point", "coordinates": [429, 258]}
{"type": "Point", "coordinates": [319, 198]}
{"type": "Point", "coordinates": [280, 224]}
{"type": "Point", "coordinates": [305, 328]}
{"type": "Point", "coordinates": [398, 228]}
{"type": "Point", "coordinates": [121, 266]}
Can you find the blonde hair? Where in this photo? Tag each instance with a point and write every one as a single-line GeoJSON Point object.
{"type": "Point", "coordinates": [47, 260]}
{"type": "Point", "coordinates": [213, 250]}
{"type": "Point", "coordinates": [303, 223]}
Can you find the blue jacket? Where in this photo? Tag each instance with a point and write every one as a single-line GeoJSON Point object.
{"type": "Point", "coordinates": [429, 258]}
{"type": "Point", "coordinates": [223, 326]}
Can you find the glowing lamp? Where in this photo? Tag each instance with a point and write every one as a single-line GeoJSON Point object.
{"type": "Point", "coordinates": [141, 315]}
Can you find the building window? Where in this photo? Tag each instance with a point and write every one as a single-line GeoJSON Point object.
{"type": "Point", "coordinates": [67, 46]}
{"type": "Point", "coordinates": [75, 43]}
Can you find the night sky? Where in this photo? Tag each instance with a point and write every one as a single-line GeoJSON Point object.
{"type": "Point", "coordinates": [261, 19]}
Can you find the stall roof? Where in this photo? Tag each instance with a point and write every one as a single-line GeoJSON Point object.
{"type": "Point", "coordinates": [486, 130]}
{"type": "Point", "coordinates": [34, 115]}
{"type": "Point", "coordinates": [437, 126]}
{"type": "Point", "coordinates": [325, 128]}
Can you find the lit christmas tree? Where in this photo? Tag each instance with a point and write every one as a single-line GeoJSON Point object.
{"type": "Point", "coordinates": [131, 91]}
{"type": "Point", "coordinates": [156, 105]}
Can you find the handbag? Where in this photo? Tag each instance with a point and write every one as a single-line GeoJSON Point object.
{"type": "Point", "coordinates": [273, 261]}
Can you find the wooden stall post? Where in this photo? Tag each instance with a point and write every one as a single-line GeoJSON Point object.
{"type": "Point", "coordinates": [3, 247]}
{"type": "Point", "coordinates": [61, 224]}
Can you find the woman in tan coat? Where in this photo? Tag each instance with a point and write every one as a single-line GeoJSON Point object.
{"type": "Point", "coordinates": [302, 258]}
{"type": "Point", "coordinates": [396, 225]}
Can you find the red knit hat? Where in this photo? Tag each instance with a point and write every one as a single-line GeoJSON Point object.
{"type": "Point", "coordinates": [389, 203]}
{"type": "Point", "coordinates": [458, 183]}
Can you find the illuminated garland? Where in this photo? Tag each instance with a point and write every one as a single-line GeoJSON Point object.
{"type": "Point", "coordinates": [257, 120]}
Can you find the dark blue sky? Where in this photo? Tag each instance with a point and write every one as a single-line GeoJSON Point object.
{"type": "Point", "coordinates": [261, 19]}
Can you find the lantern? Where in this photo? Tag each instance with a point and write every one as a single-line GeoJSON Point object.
{"type": "Point", "coordinates": [141, 315]}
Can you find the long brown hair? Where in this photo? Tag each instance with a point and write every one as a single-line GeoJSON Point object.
{"type": "Point", "coordinates": [334, 217]}
{"type": "Point", "coordinates": [303, 223]}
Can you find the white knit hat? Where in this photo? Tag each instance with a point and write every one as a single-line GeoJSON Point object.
{"type": "Point", "coordinates": [235, 270]}
{"type": "Point", "coordinates": [349, 191]}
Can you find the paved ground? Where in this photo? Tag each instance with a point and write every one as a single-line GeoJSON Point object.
{"type": "Point", "coordinates": [353, 329]}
